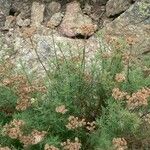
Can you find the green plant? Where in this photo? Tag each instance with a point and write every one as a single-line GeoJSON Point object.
{"type": "Point", "coordinates": [94, 106]}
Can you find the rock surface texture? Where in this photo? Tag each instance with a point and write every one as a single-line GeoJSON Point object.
{"type": "Point", "coordinates": [5, 6]}
{"type": "Point", "coordinates": [4, 11]}
{"type": "Point", "coordinates": [53, 7]}
{"type": "Point", "coordinates": [76, 23]}
{"type": "Point", "coordinates": [60, 28]}
{"type": "Point", "coordinates": [134, 23]}
{"type": "Point", "coordinates": [37, 14]}
{"type": "Point", "coordinates": [55, 20]}
{"type": "Point", "coordinates": [48, 47]}
{"type": "Point", "coordinates": [115, 7]}
{"type": "Point", "coordinates": [23, 6]}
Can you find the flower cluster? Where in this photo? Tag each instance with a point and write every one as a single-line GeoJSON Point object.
{"type": "Point", "coordinates": [127, 57]}
{"type": "Point", "coordinates": [119, 144]}
{"type": "Point", "coordinates": [111, 39]}
{"type": "Point", "coordinates": [61, 109]}
{"type": "Point", "coordinates": [131, 40]}
{"type": "Point", "coordinates": [23, 90]}
{"type": "Point", "coordinates": [50, 147]}
{"type": "Point", "coordinates": [5, 68]}
{"type": "Point", "coordinates": [90, 126]}
{"type": "Point", "coordinates": [13, 129]}
{"type": "Point", "coordinates": [146, 71]}
{"type": "Point", "coordinates": [28, 32]}
{"type": "Point", "coordinates": [75, 122]}
{"type": "Point", "coordinates": [88, 29]}
{"type": "Point", "coordinates": [106, 55]}
{"type": "Point", "coordinates": [117, 94]}
{"type": "Point", "coordinates": [140, 98]}
{"type": "Point", "coordinates": [146, 118]}
{"type": "Point", "coordinates": [120, 77]}
{"type": "Point", "coordinates": [68, 145]}
{"type": "Point", "coordinates": [34, 138]}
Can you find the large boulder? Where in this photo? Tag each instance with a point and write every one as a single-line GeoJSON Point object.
{"type": "Point", "coordinates": [48, 47]}
{"type": "Point", "coordinates": [133, 24]}
{"type": "Point", "coordinates": [114, 7]}
{"type": "Point", "coordinates": [76, 23]}
{"type": "Point", "coordinates": [21, 44]}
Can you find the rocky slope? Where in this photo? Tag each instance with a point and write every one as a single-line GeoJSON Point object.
{"type": "Point", "coordinates": [58, 27]}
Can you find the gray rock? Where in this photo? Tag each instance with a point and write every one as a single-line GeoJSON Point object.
{"type": "Point", "coordinates": [87, 9]}
{"type": "Point", "coordinates": [98, 12]}
{"type": "Point", "coordinates": [22, 22]}
{"type": "Point", "coordinates": [47, 47]}
{"type": "Point", "coordinates": [134, 24]}
{"type": "Point", "coordinates": [2, 19]}
{"type": "Point", "coordinates": [10, 22]}
{"type": "Point", "coordinates": [37, 14]}
{"type": "Point", "coordinates": [52, 7]}
{"type": "Point", "coordinates": [55, 20]}
{"type": "Point", "coordinates": [76, 23]}
{"type": "Point", "coordinates": [4, 11]}
{"type": "Point", "coordinates": [7, 44]}
{"type": "Point", "coordinates": [23, 6]}
{"type": "Point", "coordinates": [95, 11]}
{"type": "Point", "coordinates": [5, 6]}
{"type": "Point", "coordinates": [114, 7]}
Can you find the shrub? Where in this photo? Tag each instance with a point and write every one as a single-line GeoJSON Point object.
{"type": "Point", "coordinates": [78, 106]}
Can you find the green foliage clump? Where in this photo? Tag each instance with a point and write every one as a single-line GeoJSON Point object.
{"type": "Point", "coordinates": [83, 92]}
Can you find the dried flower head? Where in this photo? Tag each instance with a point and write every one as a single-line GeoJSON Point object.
{"type": "Point", "coordinates": [28, 32]}
{"type": "Point", "coordinates": [106, 55]}
{"type": "Point", "coordinates": [120, 77]}
{"type": "Point", "coordinates": [68, 145]}
{"type": "Point", "coordinates": [111, 39]}
{"type": "Point", "coordinates": [91, 126]}
{"type": "Point", "coordinates": [127, 57]}
{"type": "Point", "coordinates": [140, 98]}
{"type": "Point", "coordinates": [61, 109]}
{"type": "Point", "coordinates": [119, 144]}
{"type": "Point", "coordinates": [117, 94]}
{"type": "Point", "coordinates": [50, 147]}
{"type": "Point", "coordinates": [88, 29]}
{"type": "Point", "coordinates": [23, 104]}
{"type": "Point", "coordinates": [34, 138]}
{"type": "Point", "coordinates": [131, 40]}
{"type": "Point", "coordinates": [23, 90]}
{"type": "Point", "coordinates": [6, 82]}
{"type": "Point", "coordinates": [38, 136]}
{"type": "Point", "coordinates": [5, 68]}
{"type": "Point", "coordinates": [75, 122]}
{"type": "Point", "coordinates": [146, 118]}
{"type": "Point", "coordinates": [26, 140]}
{"type": "Point", "coordinates": [13, 129]}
